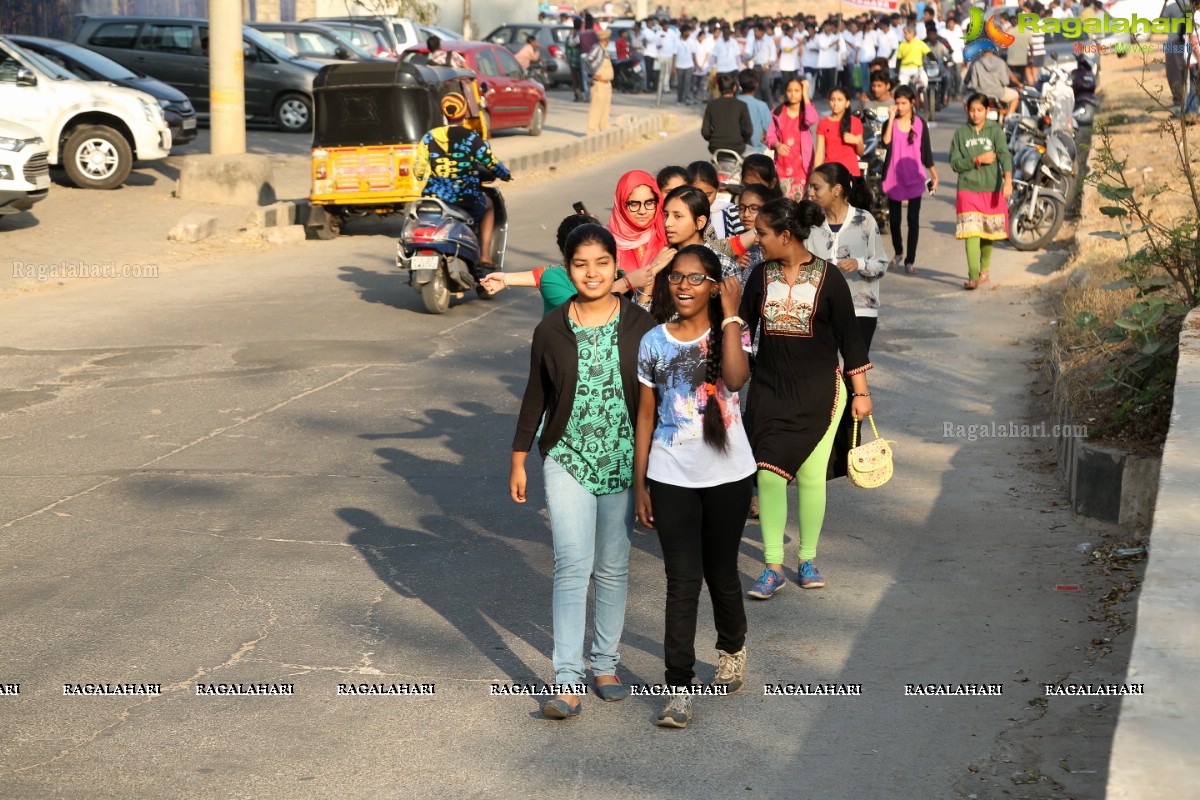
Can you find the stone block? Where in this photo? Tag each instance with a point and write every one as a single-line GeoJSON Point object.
{"type": "Point", "coordinates": [193, 228]}
{"type": "Point", "coordinates": [274, 215]}
{"type": "Point", "coordinates": [241, 180]}
{"type": "Point", "coordinates": [286, 234]}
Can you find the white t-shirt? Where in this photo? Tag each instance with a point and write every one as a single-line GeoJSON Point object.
{"type": "Point", "coordinates": [679, 456]}
{"type": "Point", "coordinates": [827, 50]}
{"type": "Point", "coordinates": [649, 43]}
{"type": "Point", "coordinates": [809, 56]}
{"type": "Point", "coordinates": [704, 56]}
{"type": "Point", "coordinates": [887, 45]}
{"type": "Point", "coordinates": [869, 47]}
{"type": "Point", "coordinates": [789, 54]}
{"type": "Point", "coordinates": [685, 54]}
{"type": "Point", "coordinates": [725, 55]}
{"type": "Point", "coordinates": [853, 45]}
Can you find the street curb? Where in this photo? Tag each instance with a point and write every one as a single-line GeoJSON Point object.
{"type": "Point", "coordinates": [1105, 483]}
{"type": "Point", "coordinates": [627, 130]}
{"type": "Point", "coordinates": [1153, 751]}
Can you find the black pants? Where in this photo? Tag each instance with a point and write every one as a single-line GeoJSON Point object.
{"type": "Point", "coordinates": [867, 326]}
{"type": "Point", "coordinates": [914, 228]}
{"type": "Point", "coordinates": [700, 531]}
{"type": "Point", "coordinates": [827, 77]}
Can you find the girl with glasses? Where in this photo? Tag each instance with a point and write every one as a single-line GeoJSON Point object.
{"type": "Point", "coordinates": [637, 225]}
{"type": "Point", "coordinates": [809, 339]}
{"type": "Point", "coordinates": [583, 379]}
{"type": "Point", "coordinates": [686, 215]}
{"type": "Point", "coordinates": [693, 466]}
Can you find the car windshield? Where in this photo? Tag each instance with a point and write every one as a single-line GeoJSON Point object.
{"type": "Point", "coordinates": [46, 66]}
{"type": "Point", "coordinates": [274, 48]}
{"type": "Point", "coordinates": [104, 67]}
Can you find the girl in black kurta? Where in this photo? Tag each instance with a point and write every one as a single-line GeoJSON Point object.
{"type": "Point", "coordinates": [804, 314]}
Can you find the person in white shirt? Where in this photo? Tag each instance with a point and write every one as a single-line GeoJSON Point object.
{"type": "Point", "coordinates": [685, 65]}
{"type": "Point", "coordinates": [789, 55]}
{"type": "Point", "coordinates": [649, 36]}
{"type": "Point", "coordinates": [762, 60]}
{"type": "Point", "coordinates": [868, 50]}
{"type": "Point", "coordinates": [808, 53]}
{"type": "Point", "coordinates": [853, 37]}
{"type": "Point", "coordinates": [725, 53]}
{"type": "Point", "coordinates": [667, 39]}
{"type": "Point", "coordinates": [888, 43]}
{"type": "Point", "coordinates": [826, 44]}
{"type": "Point", "coordinates": [703, 57]}
{"type": "Point", "coordinates": [953, 34]}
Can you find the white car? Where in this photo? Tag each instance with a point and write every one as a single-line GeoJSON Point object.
{"type": "Point", "coordinates": [95, 131]}
{"type": "Point", "coordinates": [24, 168]}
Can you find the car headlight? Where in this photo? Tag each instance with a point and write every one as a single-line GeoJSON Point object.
{"type": "Point", "coordinates": [9, 143]}
{"type": "Point", "coordinates": [164, 103]}
{"type": "Point", "coordinates": [153, 112]}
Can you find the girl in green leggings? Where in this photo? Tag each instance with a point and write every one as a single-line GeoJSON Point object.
{"type": "Point", "coordinates": [804, 314]}
{"type": "Point", "coordinates": [980, 156]}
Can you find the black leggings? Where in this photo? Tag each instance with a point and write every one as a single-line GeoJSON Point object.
{"type": "Point", "coordinates": [914, 228]}
{"type": "Point", "coordinates": [700, 531]}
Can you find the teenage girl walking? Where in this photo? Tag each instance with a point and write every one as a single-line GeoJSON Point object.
{"type": "Point", "coordinates": [840, 135]}
{"type": "Point", "coordinates": [790, 134]}
{"type": "Point", "coordinates": [980, 156]}
{"type": "Point", "coordinates": [583, 379]}
{"type": "Point", "coordinates": [693, 466]}
{"type": "Point", "coordinates": [802, 307]}
{"type": "Point", "coordinates": [909, 154]}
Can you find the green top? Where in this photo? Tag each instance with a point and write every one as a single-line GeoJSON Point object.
{"type": "Point", "coordinates": [556, 287]}
{"type": "Point", "coordinates": [969, 143]}
{"type": "Point", "coordinates": [597, 446]}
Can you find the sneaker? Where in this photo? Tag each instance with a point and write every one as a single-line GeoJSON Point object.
{"type": "Point", "coordinates": [767, 584]}
{"type": "Point", "coordinates": [731, 670]}
{"type": "Point", "coordinates": [810, 576]}
{"type": "Point", "coordinates": [677, 713]}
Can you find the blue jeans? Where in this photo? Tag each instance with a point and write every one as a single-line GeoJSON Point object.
{"type": "Point", "coordinates": [591, 539]}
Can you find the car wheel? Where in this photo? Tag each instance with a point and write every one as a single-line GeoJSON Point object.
{"type": "Point", "coordinates": [536, 122]}
{"type": "Point", "coordinates": [293, 113]}
{"type": "Point", "coordinates": [96, 157]}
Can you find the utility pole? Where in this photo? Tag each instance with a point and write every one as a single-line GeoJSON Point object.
{"type": "Point", "coordinates": [467, 20]}
{"type": "Point", "coordinates": [226, 76]}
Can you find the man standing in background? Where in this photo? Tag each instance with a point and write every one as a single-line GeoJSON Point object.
{"type": "Point", "coordinates": [762, 60]}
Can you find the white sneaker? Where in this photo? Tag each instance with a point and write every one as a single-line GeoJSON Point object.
{"type": "Point", "coordinates": [677, 713]}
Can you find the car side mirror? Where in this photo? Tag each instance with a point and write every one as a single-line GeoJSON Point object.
{"type": "Point", "coordinates": [342, 53]}
{"type": "Point", "coordinates": [249, 53]}
{"type": "Point", "coordinates": [483, 89]}
{"type": "Point", "coordinates": [26, 77]}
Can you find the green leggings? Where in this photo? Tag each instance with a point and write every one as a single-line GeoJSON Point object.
{"type": "Point", "coordinates": [810, 486]}
{"type": "Point", "coordinates": [979, 256]}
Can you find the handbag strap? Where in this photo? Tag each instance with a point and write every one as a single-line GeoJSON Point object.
{"type": "Point", "coordinates": [854, 431]}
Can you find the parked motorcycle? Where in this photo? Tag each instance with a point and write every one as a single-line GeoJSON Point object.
{"type": "Point", "coordinates": [537, 72]}
{"type": "Point", "coordinates": [629, 75]}
{"type": "Point", "coordinates": [1083, 82]}
{"type": "Point", "coordinates": [871, 163]}
{"type": "Point", "coordinates": [1038, 205]}
{"type": "Point", "coordinates": [439, 249]}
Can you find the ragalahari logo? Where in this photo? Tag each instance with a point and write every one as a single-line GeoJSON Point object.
{"type": "Point", "coordinates": [983, 36]}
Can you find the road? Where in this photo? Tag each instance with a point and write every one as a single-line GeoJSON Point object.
{"type": "Point", "coordinates": [279, 469]}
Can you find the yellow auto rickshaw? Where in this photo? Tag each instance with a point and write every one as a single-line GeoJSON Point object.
{"type": "Point", "coordinates": [368, 122]}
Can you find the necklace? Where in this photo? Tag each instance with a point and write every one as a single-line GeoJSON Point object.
{"type": "Point", "coordinates": [595, 369]}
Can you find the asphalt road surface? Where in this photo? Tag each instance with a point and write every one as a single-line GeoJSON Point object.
{"type": "Point", "coordinates": [278, 469]}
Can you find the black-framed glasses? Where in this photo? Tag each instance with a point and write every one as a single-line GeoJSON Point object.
{"type": "Point", "coordinates": [634, 206]}
{"type": "Point", "coordinates": [752, 208]}
{"type": "Point", "coordinates": [695, 278]}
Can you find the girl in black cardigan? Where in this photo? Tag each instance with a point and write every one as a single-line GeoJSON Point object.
{"type": "Point", "coordinates": [583, 380]}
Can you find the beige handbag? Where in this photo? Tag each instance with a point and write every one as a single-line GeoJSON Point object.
{"type": "Point", "coordinates": [870, 463]}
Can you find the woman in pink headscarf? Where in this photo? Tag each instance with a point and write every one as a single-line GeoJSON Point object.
{"type": "Point", "coordinates": [637, 225]}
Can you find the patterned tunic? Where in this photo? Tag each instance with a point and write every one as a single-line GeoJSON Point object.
{"type": "Point", "coordinates": [796, 377]}
{"type": "Point", "coordinates": [453, 153]}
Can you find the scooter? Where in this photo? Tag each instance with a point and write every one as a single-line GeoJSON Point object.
{"type": "Point", "coordinates": [1083, 81]}
{"type": "Point", "coordinates": [729, 173]}
{"type": "Point", "coordinates": [439, 249]}
{"type": "Point", "coordinates": [628, 75]}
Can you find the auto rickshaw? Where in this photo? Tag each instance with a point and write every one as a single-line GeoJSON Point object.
{"type": "Point", "coordinates": [369, 119]}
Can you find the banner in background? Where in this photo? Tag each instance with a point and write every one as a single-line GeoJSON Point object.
{"type": "Point", "coordinates": [874, 5]}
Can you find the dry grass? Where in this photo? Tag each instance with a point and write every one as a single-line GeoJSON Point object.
{"type": "Point", "coordinates": [1135, 124]}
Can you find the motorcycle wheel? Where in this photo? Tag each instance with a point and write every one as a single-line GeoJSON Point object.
{"type": "Point", "coordinates": [1032, 226]}
{"type": "Point", "coordinates": [436, 294]}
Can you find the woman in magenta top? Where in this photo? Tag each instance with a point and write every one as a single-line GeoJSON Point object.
{"type": "Point", "coordinates": [840, 135]}
{"type": "Point", "coordinates": [790, 135]}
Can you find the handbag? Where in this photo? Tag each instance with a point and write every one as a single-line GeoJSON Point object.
{"type": "Point", "coordinates": [870, 463]}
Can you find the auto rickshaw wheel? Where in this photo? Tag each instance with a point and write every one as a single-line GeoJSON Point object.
{"type": "Point", "coordinates": [536, 121]}
{"type": "Point", "coordinates": [331, 228]}
{"type": "Point", "coordinates": [435, 293]}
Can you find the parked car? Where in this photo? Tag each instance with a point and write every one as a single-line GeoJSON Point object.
{"type": "Point", "coordinates": [94, 131]}
{"type": "Point", "coordinates": [369, 40]}
{"type": "Point", "coordinates": [24, 168]}
{"type": "Point", "coordinates": [551, 38]}
{"type": "Point", "coordinates": [512, 98]}
{"type": "Point", "coordinates": [278, 83]}
{"type": "Point", "coordinates": [312, 41]}
{"type": "Point", "coordinates": [445, 34]}
{"type": "Point", "coordinates": [399, 32]}
{"type": "Point", "coordinates": [89, 65]}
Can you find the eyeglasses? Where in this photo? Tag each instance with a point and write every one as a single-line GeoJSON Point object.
{"type": "Point", "coordinates": [749, 209]}
{"type": "Point", "coordinates": [634, 206]}
{"type": "Point", "coordinates": [695, 279]}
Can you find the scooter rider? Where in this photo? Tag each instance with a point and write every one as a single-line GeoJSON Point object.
{"type": "Point", "coordinates": [455, 154]}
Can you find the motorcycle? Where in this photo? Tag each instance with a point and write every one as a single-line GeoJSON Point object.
{"type": "Point", "coordinates": [1038, 205]}
{"type": "Point", "coordinates": [729, 173]}
{"type": "Point", "coordinates": [629, 75]}
{"type": "Point", "coordinates": [871, 163]}
{"type": "Point", "coordinates": [1083, 82]}
{"type": "Point", "coordinates": [439, 248]}
{"type": "Point", "coordinates": [537, 72]}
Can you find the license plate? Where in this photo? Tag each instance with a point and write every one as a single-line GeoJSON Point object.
{"type": "Point", "coordinates": [189, 123]}
{"type": "Point", "coordinates": [423, 262]}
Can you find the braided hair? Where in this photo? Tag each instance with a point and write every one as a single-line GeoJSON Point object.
{"type": "Point", "coordinates": [715, 434]}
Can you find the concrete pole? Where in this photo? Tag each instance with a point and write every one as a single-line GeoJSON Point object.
{"type": "Point", "coordinates": [226, 78]}
{"type": "Point", "coordinates": [642, 9]}
{"type": "Point", "coordinates": [467, 20]}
